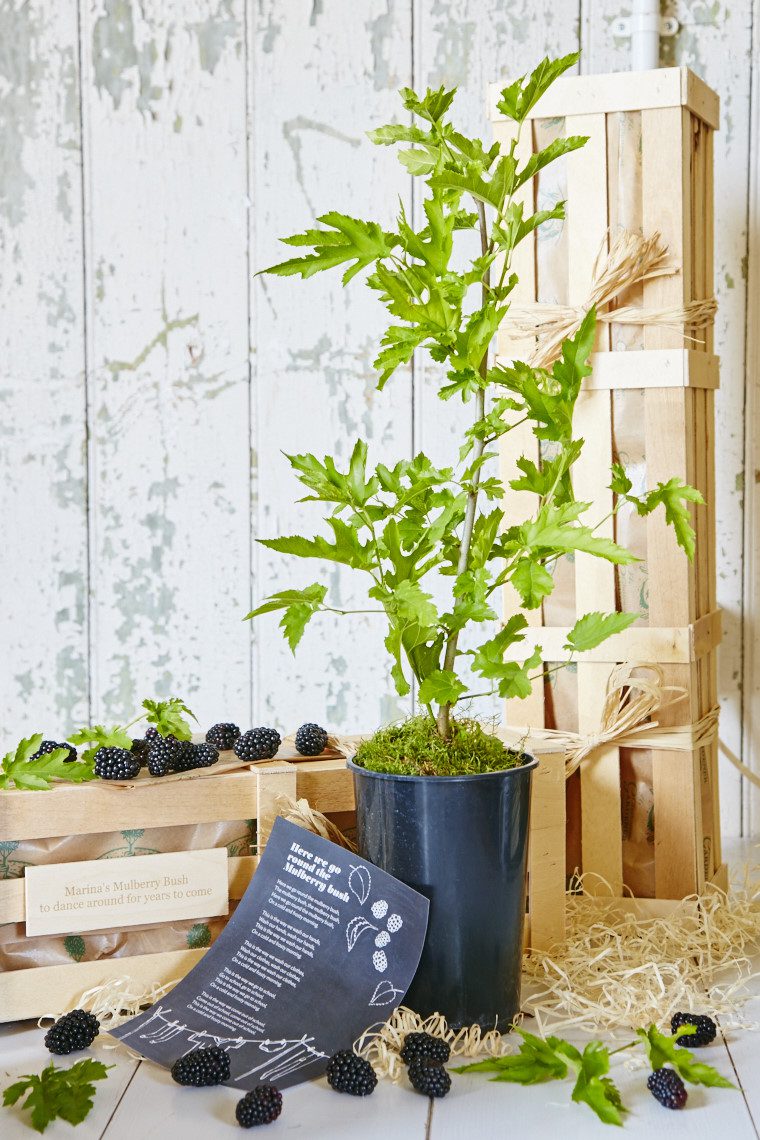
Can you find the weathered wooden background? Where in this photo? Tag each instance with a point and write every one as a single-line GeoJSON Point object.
{"type": "Point", "coordinates": [151, 151]}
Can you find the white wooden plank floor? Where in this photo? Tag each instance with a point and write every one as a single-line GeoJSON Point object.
{"type": "Point", "coordinates": [140, 1100]}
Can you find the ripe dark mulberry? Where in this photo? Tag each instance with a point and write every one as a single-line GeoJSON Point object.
{"type": "Point", "coordinates": [348, 1073]}
{"type": "Point", "coordinates": [417, 1045]}
{"type": "Point", "coordinates": [50, 746]}
{"type": "Point", "coordinates": [428, 1078]}
{"type": "Point", "coordinates": [162, 756]}
{"type": "Point", "coordinates": [706, 1029]}
{"type": "Point", "coordinates": [207, 1065]}
{"type": "Point", "coordinates": [184, 757]}
{"type": "Point", "coordinates": [116, 764]}
{"type": "Point", "coordinates": [257, 744]}
{"type": "Point", "coordinates": [260, 1106]}
{"type": "Point", "coordinates": [311, 740]}
{"type": "Point", "coordinates": [140, 749]}
{"type": "Point", "coordinates": [72, 1032]}
{"type": "Point", "coordinates": [667, 1087]}
{"type": "Point", "coordinates": [223, 736]}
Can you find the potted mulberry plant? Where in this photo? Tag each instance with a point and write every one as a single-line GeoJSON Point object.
{"type": "Point", "coordinates": [441, 802]}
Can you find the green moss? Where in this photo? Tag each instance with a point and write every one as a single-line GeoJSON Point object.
{"type": "Point", "coordinates": [414, 748]}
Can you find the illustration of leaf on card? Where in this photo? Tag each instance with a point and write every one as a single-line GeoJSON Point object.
{"type": "Point", "coordinates": [385, 994]}
{"type": "Point", "coordinates": [360, 883]}
{"type": "Point", "coordinates": [355, 929]}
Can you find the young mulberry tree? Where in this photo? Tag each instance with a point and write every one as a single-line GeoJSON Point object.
{"type": "Point", "coordinates": [406, 525]}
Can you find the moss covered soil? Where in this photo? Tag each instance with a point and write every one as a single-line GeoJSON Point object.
{"type": "Point", "coordinates": [414, 748]}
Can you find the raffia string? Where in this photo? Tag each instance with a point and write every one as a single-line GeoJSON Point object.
{"type": "Point", "coordinates": [634, 694]}
{"type": "Point", "coordinates": [304, 815]}
{"type": "Point", "coordinates": [632, 259]}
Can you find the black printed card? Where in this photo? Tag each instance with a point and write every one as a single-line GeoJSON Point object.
{"type": "Point", "coordinates": [321, 945]}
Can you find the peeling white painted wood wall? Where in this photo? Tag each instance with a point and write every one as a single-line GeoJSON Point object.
{"type": "Point", "coordinates": [151, 151]}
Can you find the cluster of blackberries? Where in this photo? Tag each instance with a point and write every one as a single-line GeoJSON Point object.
{"type": "Point", "coordinates": [425, 1056]}
{"type": "Point", "coordinates": [160, 754]}
{"type": "Point", "coordinates": [209, 1065]}
{"type": "Point", "coordinates": [349, 1073]}
{"type": "Point", "coordinates": [74, 1031]}
{"type": "Point", "coordinates": [665, 1084]}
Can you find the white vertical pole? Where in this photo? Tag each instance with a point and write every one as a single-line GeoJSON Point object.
{"type": "Point", "coordinates": [645, 35]}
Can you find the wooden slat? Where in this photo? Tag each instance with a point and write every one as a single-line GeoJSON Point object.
{"type": "Point", "coordinates": [32, 993]}
{"type": "Point", "coordinates": [622, 91]}
{"type": "Point", "coordinates": [587, 221]}
{"type": "Point", "coordinates": [546, 854]}
{"type": "Point", "coordinates": [665, 646]}
{"type": "Point", "coordinates": [97, 807]}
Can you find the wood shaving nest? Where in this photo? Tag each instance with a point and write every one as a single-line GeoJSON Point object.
{"type": "Point", "coordinates": [381, 1044]}
{"type": "Point", "coordinates": [618, 971]}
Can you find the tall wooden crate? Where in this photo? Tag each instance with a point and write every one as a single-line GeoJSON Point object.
{"type": "Point", "coordinates": [647, 167]}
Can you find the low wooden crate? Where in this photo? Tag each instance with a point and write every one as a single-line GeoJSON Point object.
{"type": "Point", "coordinates": [647, 167]}
{"type": "Point", "coordinates": [248, 793]}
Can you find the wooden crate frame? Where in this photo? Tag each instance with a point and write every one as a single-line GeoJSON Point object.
{"type": "Point", "coordinates": [248, 793]}
{"type": "Point", "coordinates": [679, 115]}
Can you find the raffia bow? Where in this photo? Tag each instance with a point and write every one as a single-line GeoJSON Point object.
{"type": "Point", "coordinates": [631, 259]}
{"type": "Point", "coordinates": [635, 693]}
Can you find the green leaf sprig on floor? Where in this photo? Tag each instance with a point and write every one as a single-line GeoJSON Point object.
{"type": "Point", "coordinates": [58, 1093]}
{"type": "Point", "coordinates": [542, 1059]}
{"type": "Point", "coordinates": [417, 526]}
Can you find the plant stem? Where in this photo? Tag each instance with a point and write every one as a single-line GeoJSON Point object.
{"type": "Point", "coordinates": [443, 719]}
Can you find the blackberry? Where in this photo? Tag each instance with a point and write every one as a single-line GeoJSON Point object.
{"type": "Point", "coordinates": [204, 755]}
{"type": "Point", "coordinates": [667, 1087]}
{"type": "Point", "coordinates": [140, 749]}
{"type": "Point", "coordinates": [188, 757]}
{"type": "Point", "coordinates": [162, 755]}
{"type": "Point", "coordinates": [222, 736]}
{"type": "Point", "coordinates": [310, 740]}
{"type": "Point", "coordinates": [207, 1065]}
{"type": "Point", "coordinates": [50, 746]}
{"type": "Point", "coordinates": [418, 1045]}
{"type": "Point", "coordinates": [72, 1032]}
{"type": "Point", "coordinates": [347, 1073]}
{"type": "Point", "coordinates": [257, 744]}
{"type": "Point", "coordinates": [705, 1026]}
{"type": "Point", "coordinates": [260, 1106]}
{"type": "Point", "coordinates": [152, 734]}
{"type": "Point", "coordinates": [116, 764]}
{"type": "Point", "coordinates": [183, 759]}
{"type": "Point", "coordinates": [429, 1078]}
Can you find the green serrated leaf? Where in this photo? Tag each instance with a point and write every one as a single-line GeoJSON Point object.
{"type": "Point", "coordinates": [58, 1093]}
{"type": "Point", "coordinates": [300, 606]}
{"type": "Point", "coordinates": [594, 628]}
{"type": "Point", "coordinates": [594, 1088]}
{"type": "Point", "coordinates": [441, 687]}
{"type": "Point", "coordinates": [663, 1050]}
{"type": "Point", "coordinates": [532, 581]}
{"type": "Point", "coordinates": [520, 97]}
{"type": "Point", "coordinates": [168, 717]}
{"type": "Point", "coordinates": [19, 770]}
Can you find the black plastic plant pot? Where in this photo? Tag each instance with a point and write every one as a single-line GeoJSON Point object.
{"type": "Point", "coordinates": [461, 841]}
